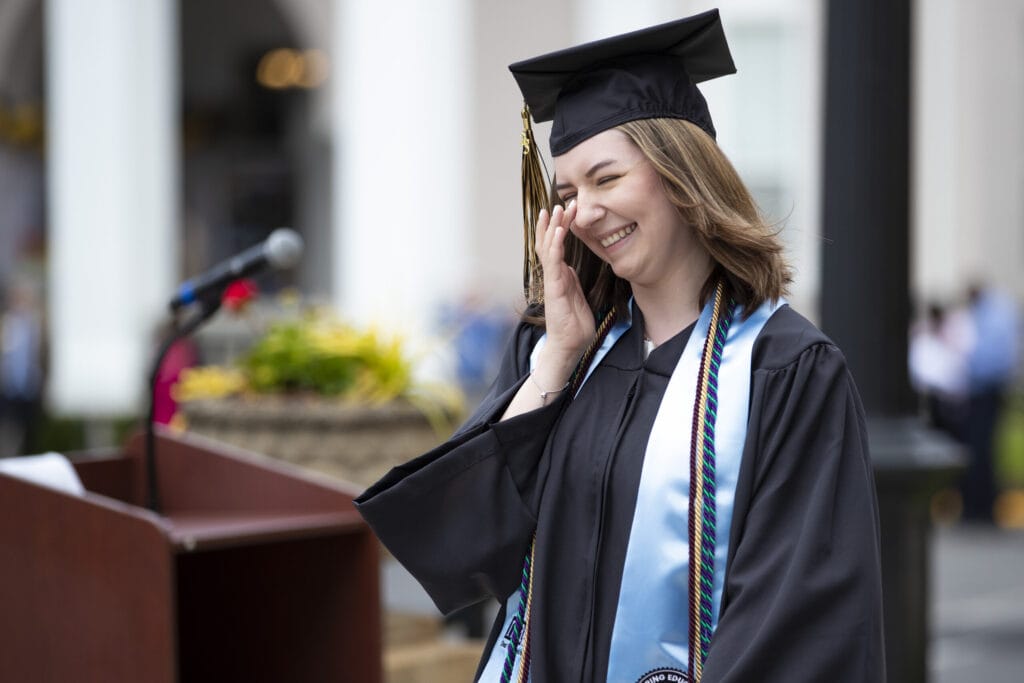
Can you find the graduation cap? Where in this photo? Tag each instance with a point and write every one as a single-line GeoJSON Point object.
{"type": "Point", "coordinates": [650, 73]}
{"type": "Point", "coordinates": [587, 89]}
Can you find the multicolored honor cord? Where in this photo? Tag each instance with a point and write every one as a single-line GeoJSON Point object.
{"type": "Point", "coordinates": [520, 633]}
{"type": "Point", "coordinates": [702, 511]}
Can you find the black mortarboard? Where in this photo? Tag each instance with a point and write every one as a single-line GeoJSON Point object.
{"type": "Point", "coordinates": [587, 89]}
{"type": "Point", "coordinates": [650, 73]}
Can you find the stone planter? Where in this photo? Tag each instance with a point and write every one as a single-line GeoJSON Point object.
{"type": "Point", "coordinates": [353, 443]}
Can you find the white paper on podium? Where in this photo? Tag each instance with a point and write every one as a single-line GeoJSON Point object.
{"type": "Point", "coordinates": [48, 469]}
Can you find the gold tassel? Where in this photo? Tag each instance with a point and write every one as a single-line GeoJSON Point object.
{"type": "Point", "coordinates": [535, 198]}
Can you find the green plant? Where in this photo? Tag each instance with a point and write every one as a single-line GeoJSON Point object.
{"type": "Point", "coordinates": [1009, 446]}
{"type": "Point", "coordinates": [329, 358]}
{"type": "Point", "coordinates": [316, 354]}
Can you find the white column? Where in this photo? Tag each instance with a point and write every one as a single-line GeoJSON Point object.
{"type": "Point", "coordinates": [937, 99]}
{"type": "Point", "coordinates": [401, 159]}
{"type": "Point", "coordinates": [112, 196]}
{"type": "Point", "coordinates": [967, 162]}
{"type": "Point", "coordinates": [989, 164]}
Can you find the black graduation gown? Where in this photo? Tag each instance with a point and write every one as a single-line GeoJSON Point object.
{"type": "Point", "coordinates": [802, 595]}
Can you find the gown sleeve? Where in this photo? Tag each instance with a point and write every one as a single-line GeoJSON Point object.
{"type": "Point", "coordinates": [460, 517]}
{"type": "Point", "coordinates": [802, 597]}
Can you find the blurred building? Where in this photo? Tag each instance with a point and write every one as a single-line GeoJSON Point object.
{"type": "Point", "coordinates": [143, 140]}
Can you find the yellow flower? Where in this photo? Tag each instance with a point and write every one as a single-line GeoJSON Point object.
{"type": "Point", "coordinates": [210, 381]}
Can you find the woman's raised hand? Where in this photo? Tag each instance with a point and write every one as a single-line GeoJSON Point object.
{"type": "Point", "coordinates": [569, 320]}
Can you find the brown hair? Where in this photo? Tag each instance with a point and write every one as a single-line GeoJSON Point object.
{"type": "Point", "coordinates": [701, 182]}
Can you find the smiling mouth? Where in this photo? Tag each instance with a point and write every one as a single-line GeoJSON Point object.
{"type": "Point", "coordinates": [616, 236]}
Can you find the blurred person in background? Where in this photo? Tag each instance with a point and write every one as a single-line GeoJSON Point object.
{"type": "Point", "coordinates": [480, 330]}
{"type": "Point", "coordinates": [939, 345]}
{"type": "Point", "coordinates": [21, 367]}
{"type": "Point", "coordinates": [991, 367]}
{"type": "Point", "coordinates": [182, 354]}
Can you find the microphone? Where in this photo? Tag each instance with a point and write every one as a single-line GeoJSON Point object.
{"type": "Point", "coordinates": [282, 249]}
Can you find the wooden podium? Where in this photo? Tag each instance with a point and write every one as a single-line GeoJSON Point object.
{"type": "Point", "coordinates": [253, 572]}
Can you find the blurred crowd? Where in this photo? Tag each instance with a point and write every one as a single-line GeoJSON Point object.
{"type": "Point", "coordinates": [478, 330]}
{"type": "Point", "coordinates": [21, 365]}
{"type": "Point", "coordinates": [963, 361]}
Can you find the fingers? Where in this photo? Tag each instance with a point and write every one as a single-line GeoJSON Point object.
{"type": "Point", "coordinates": [556, 248]}
{"type": "Point", "coordinates": [545, 223]}
{"type": "Point", "coordinates": [542, 226]}
{"type": "Point", "coordinates": [561, 220]}
{"type": "Point", "coordinates": [551, 232]}
{"type": "Point", "coordinates": [570, 214]}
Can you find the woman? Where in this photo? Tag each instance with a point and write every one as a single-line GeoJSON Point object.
{"type": "Point", "coordinates": [663, 374]}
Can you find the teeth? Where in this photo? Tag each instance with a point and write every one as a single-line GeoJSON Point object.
{"type": "Point", "coordinates": [616, 236]}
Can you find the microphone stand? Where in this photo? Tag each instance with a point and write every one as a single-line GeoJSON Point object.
{"type": "Point", "coordinates": [207, 307]}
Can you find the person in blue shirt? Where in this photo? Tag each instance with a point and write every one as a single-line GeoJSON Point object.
{"type": "Point", "coordinates": [991, 366]}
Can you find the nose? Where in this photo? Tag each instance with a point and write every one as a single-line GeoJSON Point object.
{"type": "Point", "coordinates": [588, 211]}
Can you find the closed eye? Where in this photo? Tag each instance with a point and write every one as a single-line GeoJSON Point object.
{"type": "Point", "coordinates": [603, 180]}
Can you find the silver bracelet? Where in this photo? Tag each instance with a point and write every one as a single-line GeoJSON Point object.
{"type": "Point", "coordinates": [544, 394]}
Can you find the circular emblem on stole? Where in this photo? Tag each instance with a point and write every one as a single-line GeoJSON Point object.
{"type": "Point", "coordinates": [664, 676]}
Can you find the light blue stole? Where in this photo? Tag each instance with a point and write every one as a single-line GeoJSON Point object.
{"type": "Point", "coordinates": [651, 629]}
{"type": "Point", "coordinates": [651, 620]}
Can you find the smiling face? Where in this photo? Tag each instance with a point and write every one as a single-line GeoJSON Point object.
{"type": "Point", "coordinates": [623, 214]}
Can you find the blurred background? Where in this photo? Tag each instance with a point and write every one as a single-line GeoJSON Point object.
{"type": "Point", "coordinates": [142, 141]}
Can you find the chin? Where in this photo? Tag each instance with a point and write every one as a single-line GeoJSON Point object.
{"type": "Point", "coordinates": [623, 272]}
